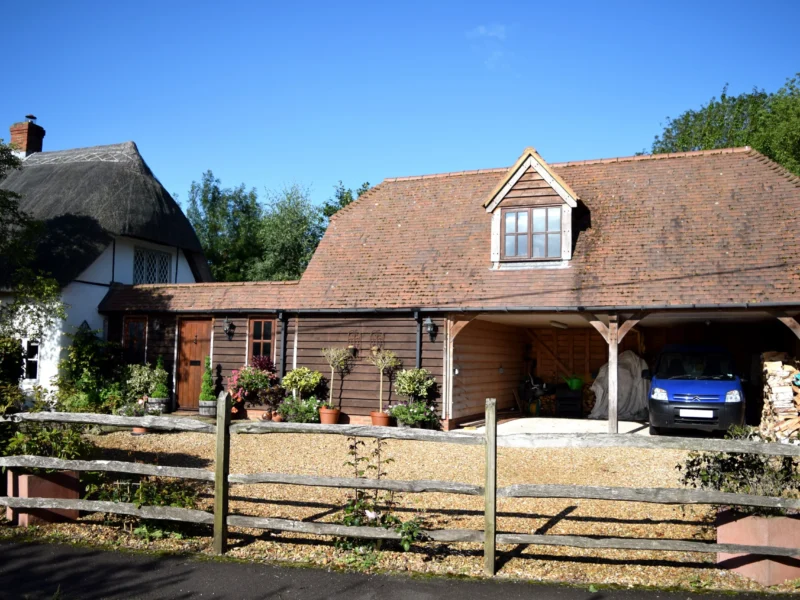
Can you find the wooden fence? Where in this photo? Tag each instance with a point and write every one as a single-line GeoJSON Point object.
{"type": "Point", "coordinates": [221, 519]}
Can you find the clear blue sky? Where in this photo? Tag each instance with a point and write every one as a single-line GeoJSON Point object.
{"type": "Point", "coordinates": [273, 93]}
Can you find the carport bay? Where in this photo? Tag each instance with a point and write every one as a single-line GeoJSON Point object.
{"type": "Point", "coordinates": [489, 353]}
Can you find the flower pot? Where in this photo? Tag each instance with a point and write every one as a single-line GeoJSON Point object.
{"type": "Point", "coordinates": [782, 532]}
{"type": "Point", "coordinates": [329, 416]}
{"type": "Point", "coordinates": [381, 419]}
{"type": "Point", "coordinates": [207, 408]}
{"type": "Point", "coordinates": [277, 417]}
{"type": "Point", "coordinates": [238, 411]}
{"type": "Point", "coordinates": [139, 430]}
{"type": "Point", "coordinates": [266, 415]}
{"type": "Point", "coordinates": [157, 405]}
{"type": "Point", "coordinates": [62, 485]}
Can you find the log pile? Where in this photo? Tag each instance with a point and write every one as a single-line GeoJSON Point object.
{"type": "Point", "coordinates": [780, 417]}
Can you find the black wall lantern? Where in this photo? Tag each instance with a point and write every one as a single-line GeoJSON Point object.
{"type": "Point", "coordinates": [228, 328]}
{"type": "Point", "coordinates": [431, 328]}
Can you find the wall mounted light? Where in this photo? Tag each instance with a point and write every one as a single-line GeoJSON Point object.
{"type": "Point", "coordinates": [352, 350]}
{"type": "Point", "coordinates": [228, 328]}
{"type": "Point", "coordinates": [156, 324]}
{"type": "Point", "coordinates": [431, 328]}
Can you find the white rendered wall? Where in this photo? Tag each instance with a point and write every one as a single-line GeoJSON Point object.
{"type": "Point", "coordinates": [82, 298]}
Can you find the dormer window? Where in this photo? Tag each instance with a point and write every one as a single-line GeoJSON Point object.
{"type": "Point", "coordinates": [532, 233]}
{"type": "Point", "coordinates": [151, 266]}
{"type": "Point", "coordinates": [531, 210]}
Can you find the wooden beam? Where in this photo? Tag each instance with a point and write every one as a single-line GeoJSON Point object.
{"type": "Point", "coordinates": [613, 374]}
{"type": "Point", "coordinates": [112, 466]}
{"type": "Point", "coordinates": [160, 423]}
{"type": "Point", "coordinates": [627, 440]}
{"type": "Point", "coordinates": [457, 326]}
{"type": "Point", "coordinates": [790, 322]}
{"type": "Point", "coordinates": [546, 348]}
{"type": "Point", "coordinates": [415, 486]}
{"type": "Point", "coordinates": [490, 487]}
{"type": "Point", "coordinates": [221, 470]}
{"type": "Point", "coordinates": [595, 322]}
{"type": "Point", "coordinates": [629, 324]}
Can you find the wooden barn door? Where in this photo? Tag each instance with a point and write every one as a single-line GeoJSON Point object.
{"type": "Point", "coordinates": [194, 344]}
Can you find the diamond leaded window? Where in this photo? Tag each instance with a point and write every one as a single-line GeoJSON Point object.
{"type": "Point", "coordinates": [151, 266]}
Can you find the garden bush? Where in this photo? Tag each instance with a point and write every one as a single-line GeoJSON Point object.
{"type": "Point", "coordinates": [298, 410]}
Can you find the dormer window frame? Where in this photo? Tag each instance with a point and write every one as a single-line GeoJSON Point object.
{"type": "Point", "coordinates": [495, 206]}
{"type": "Point", "coordinates": [531, 232]}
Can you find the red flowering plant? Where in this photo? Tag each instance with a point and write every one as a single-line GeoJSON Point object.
{"type": "Point", "coordinates": [256, 383]}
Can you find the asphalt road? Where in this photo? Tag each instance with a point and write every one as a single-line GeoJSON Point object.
{"type": "Point", "coordinates": [61, 572]}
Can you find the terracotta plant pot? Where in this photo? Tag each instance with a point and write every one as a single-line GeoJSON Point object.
{"type": "Point", "coordinates": [139, 431]}
{"type": "Point", "coordinates": [380, 419]}
{"type": "Point", "coordinates": [782, 532]}
{"type": "Point", "coordinates": [267, 415]}
{"type": "Point", "coordinates": [62, 485]}
{"type": "Point", "coordinates": [329, 416]}
{"type": "Point", "coordinates": [277, 417]}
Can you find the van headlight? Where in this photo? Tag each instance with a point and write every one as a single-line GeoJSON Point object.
{"type": "Point", "coordinates": [733, 396]}
{"type": "Point", "coordinates": [659, 394]}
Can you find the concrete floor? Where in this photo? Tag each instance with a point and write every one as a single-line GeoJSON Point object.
{"type": "Point", "coordinates": [553, 425]}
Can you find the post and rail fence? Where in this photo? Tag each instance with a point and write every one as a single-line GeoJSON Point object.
{"type": "Point", "coordinates": [221, 519]}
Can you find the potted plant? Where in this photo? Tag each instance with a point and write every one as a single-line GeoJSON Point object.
{"type": "Point", "coordinates": [417, 411]}
{"type": "Point", "coordinates": [135, 409]}
{"type": "Point", "coordinates": [207, 401]}
{"type": "Point", "coordinates": [158, 399]}
{"type": "Point", "coordinates": [52, 441]}
{"type": "Point", "coordinates": [775, 476]}
{"type": "Point", "coordinates": [255, 385]}
{"type": "Point", "coordinates": [298, 410]}
{"type": "Point", "coordinates": [301, 380]}
{"type": "Point", "coordinates": [385, 361]}
{"type": "Point", "coordinates": [339, 360]}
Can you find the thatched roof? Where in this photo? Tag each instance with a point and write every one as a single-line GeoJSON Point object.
{"type": "Point", "coordinates": [85, 196]}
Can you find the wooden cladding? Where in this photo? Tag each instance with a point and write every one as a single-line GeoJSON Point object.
{"type": "Point", "coordinates": [531, 190]}
{"type": "Point", "coordinates": [357, 392]}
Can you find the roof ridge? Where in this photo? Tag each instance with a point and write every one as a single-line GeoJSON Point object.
{"type": "Point", "coordinates": [150, 286]}
{"type": "Point", "coordinates": [578, 162]}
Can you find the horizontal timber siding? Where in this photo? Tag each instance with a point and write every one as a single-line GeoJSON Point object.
{"type": "Point", "coordinates": [531, 190]}
{"type": "Point", "coordinates": [357, 393]}
{"type": "Point", "coordinates": [480, 351]}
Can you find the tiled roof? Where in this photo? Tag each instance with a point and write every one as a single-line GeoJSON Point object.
{"type": "Point", "coordinates": [713, 227]}
{"type": "Point", "coordinates": [200, 297]}
{"type": "Point", "coordinates": [698, 228]}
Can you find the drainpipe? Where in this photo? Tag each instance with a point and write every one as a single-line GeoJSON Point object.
{"type": "Point", "coordinates": [418, 317]}
{"type": "Point", "coordinates": [284, 323]}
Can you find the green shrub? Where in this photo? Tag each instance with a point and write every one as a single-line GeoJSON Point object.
{"type": "Point", "coordinates": [297, 410]}
{"type": "Point", "coordinates": [160, 378]}
{"type": "Point", "coordinates": [414, 384]}
{"type": "Point", "coordinates": [50, 440]}
{"type": "Point", "coordinates": [777, 476]}
{"type": "Point", "coordinates": [414, 413]}
{"type": "Point", "coordinates": [301, 380]}
{"type": "Point", "coordinates": [207, 383]}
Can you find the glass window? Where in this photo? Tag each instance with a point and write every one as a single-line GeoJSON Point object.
{"type": "Point", "coordinates": [538, 246]}
{"type": "Point", "coordinates": [539, 219]}
{"type": "Point", "coordinates": [554, 219]}
{"type": "Point", "coordinates": [151, 266]}
{"type": "Point", "coordinates": [261, 333]}
{"type": "Point", "coordinates": [32, 360]}
{"type": "Point", "coordinates": [553, 245]}
{"type": "Point", "coordinates": [532, 233]}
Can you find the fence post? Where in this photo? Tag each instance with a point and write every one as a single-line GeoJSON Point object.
{"type": "Point", "coordinates": [490, 488]}
{"type": "Point", "coordinates": [221, 468]}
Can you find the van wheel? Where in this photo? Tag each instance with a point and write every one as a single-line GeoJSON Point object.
{"type": "Point", "coordinates": [654, 430]}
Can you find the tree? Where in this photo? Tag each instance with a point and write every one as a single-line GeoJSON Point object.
{"type": "Point", "coordinates": [226, 221]}
{"type": "Point", "coordinates": [34, 304]}
{"type": "Point", "coordinates": [342, 196]}
{"type": "Point", "coordinates": [769, 123]}
{"type": "Point", "coordinates": [289, 233]}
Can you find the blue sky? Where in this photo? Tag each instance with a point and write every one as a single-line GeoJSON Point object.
{"type": "Point", "coordinates": [275, 93]}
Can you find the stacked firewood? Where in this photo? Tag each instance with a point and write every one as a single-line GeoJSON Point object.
{"type": "Point", "coordinates": [781, 415]}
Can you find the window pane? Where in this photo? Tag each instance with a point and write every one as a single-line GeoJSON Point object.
{"type": "Point", "coordinates": [538, 246]}
{"type": "Point", "coordinates": [522, 222]}
{"type": "Point", "coordinates": [553, 219]}
{"type": "Point", "coordinates": [256, 330]}
{"type": "Point", "coordinates": [539, 215]}
{"type": "Point", "coordinates": [522, 245]}
{"type": "Point", "coordinates": [511, 245]}
{"type": "Point", "coordinates": [32, 350]}
{"type": "Point", "coordinates": [267, 330]}
{"type": "Point", "coordinates": [31, 369]}
{"type": "Point", "coordinates": [266, 349]}
{"type": "Point", "coordinates": [511, 222]}
{"type": "Point", "coordinates": [256, 349]}
{"type": "Point", "coordinates": [553, 245]}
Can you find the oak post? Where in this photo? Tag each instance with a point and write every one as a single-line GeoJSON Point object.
{"type": "Point", "coordinates": [221, 468]}
{"type": "Point", "coordinates": [613, 373]}
{"type": "Point", "coordinates": [490, 489]}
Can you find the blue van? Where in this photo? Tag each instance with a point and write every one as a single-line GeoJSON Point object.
{"type": "Point", "coordinates": [695, 387]}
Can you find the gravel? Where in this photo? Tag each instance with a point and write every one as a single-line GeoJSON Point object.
{"type": "Point", "coordinates": [326, 455]}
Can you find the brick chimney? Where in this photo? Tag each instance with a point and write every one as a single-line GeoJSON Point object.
{"type": "Point", "coordinates": [27, 137]}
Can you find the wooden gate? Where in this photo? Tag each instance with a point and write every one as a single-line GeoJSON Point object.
{"type": "Point", "coordinates": [194, 344]}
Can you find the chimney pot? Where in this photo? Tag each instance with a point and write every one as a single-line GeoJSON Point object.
{"type": "Point", "coordinates": [27, 136]}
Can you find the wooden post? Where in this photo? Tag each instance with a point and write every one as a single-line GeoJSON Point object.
{"type": "Point", "coordinates": [613, 374]}
{"type": "Point", "coordinates": [221, 468]}
{"type": "Point", "coordinates": [490, 488]}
